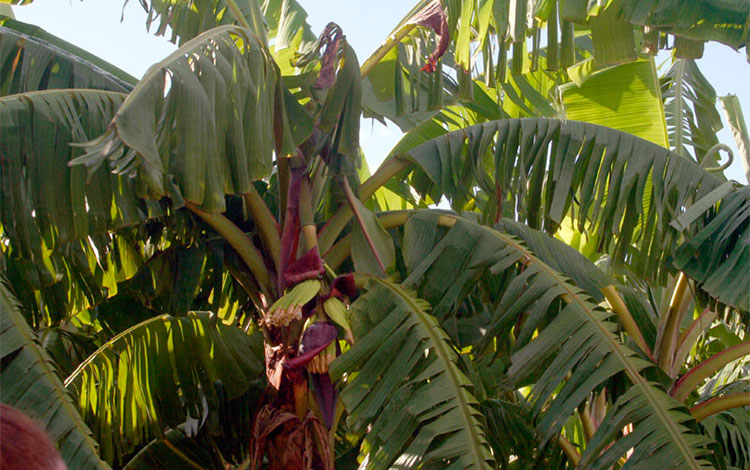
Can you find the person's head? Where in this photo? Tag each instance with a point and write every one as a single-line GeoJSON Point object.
{"type": "Point", "coordinates": [24, 445]}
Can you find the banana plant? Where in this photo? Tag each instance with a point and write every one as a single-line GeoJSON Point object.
{"type": "Point", "coordinates": [239, 293]}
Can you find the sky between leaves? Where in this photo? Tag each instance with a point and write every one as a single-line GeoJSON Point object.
{"type": "Point", "coordinates": [97, 27]}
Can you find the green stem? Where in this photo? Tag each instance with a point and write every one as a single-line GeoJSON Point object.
{"type": "Point", "coordinates": [689, 336]}
{"type": "Point", "coordinates": [589, 428]}
{"type": "Point", "coordinates": [351, 199]}
{"type": "Point", "coordinates": [706, 369]}
{"type": "Point", "coordinates": [306, 217]}
{"type": "Point", "coordinates": [672, 325]}
{"type": "Point", "coordinates": [719, 404]}
{"type": "Point", "coordinates": [570, 451]}
{"type": "Point", "coordinates": [628, 323]}
{"type": "Point", "coordinates": [266, 223]}
{"type": "Point", "coordinates": [381, 51]}
{"type": "Point", "coordinates": [241, 244]}
{"type": "Point", "coordinates": [284, 176]}
{"type": "Point", "coordinates": [238, 14]}
{"type": "Point", "coordinates": [387, 170]}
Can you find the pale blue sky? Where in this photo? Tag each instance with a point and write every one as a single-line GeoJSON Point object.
{"type": "Point", "coordinates": [96, 27]}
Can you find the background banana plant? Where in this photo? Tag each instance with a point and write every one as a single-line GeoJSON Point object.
{"type": "Point", "coordinates": [200, 271]}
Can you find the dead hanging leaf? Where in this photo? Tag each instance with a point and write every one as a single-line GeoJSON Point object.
{"type": "Point", "coordinates": [288, 442]}
{"type": "Point", "coordinates": [269, 423]}
{"type": "Point", "coordinates": [275, 356]}
{"type": "Point", "coordinates": [433, 16]}
{"type": "Point", "coordinates": [330, 39]}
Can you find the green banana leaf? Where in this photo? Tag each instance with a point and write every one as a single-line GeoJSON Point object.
{"type": "Point", "coordinates": [33, 59]}
{"type": "Point", "coordinates": [563, 332]}
{"type": "Point", "coordinates": [548, 169]}
{"type": "Point", "coordinates": [409, 389]}
{"type": "Point", "coordinates": [161, 373]}
{"type": "Point", "coordinates": [29, 381]}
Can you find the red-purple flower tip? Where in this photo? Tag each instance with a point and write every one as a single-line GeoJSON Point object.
{"type": "Point", "coordinates": [308, 266]}
{"type": "Point", "coordinates": [343, 286]}
{"type": "Point", "coordinates": [315, 339]}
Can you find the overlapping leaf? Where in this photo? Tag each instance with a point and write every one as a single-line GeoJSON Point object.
{"type": "Point", "coordinates": [186, 19]}
{"type": "Point", "coordinates": [29, 382]}
{"type": "Point", "coordinates": [564, 347]}
{"type": "Point", "coordinates": [199, 124]}
{"type": "Point", "coordinates": [409, 388]}
{"type": "Point", "coordinates": [32, 59]}
{"type": "Point", "coordinates": [49, 209]}
{"type": "Point", "coordinates": [719, 253]}
{"type": "Point", "coordinates": [161, 373]}
{"type": "Point", "coordinates": [547, 169]}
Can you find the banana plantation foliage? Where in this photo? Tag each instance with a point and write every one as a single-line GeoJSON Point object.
{"type": "Point", "coordinates": [548, 271]}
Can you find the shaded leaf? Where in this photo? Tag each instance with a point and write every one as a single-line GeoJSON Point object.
{"type": "Point", "coordinates": [30, 383]}
{"type": "Point", "coordinates": [217, 93]}
{"type": "Point", "coordinates": [409, 388]}
{"type": "Point", "coordinates": [161, 373]}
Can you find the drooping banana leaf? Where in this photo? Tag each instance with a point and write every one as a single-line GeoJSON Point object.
{"type": "Point", "coordinates": [396, 88]}
{"type": "Point", "coordinates": [29, 382]}
{"type": "Point", "coordinates": [736, 120]}
{"type": "Point", "coordinates": [718, 254]}
{"type": "Point", "coordinates": [706, 20]}
{"type": "Point", "coordinates": [32, 59]}
{"type": "Point", "coordinates": [286, 20]}
{"type": "Point", "coordinates": [548, 169]}
{"type": "Point", "coordinates": [730, 428]}
{"type": "Point", "coordinates": [512, 434]}
{"type": "Point", "coordinates": [484, 32]}
{"type": "Point", "coordinates": [176, 450]}
{"type": "Point", "coordinates": [186, 19]}
{"type": "Point", "coordinates": [561, 258]}
{"type": "Point", "coordinates": [161, 373]}
{"type": "Point", "coordinates": [199, 124]}
{"type": "Point", "coordinates": [409, 389]}
{"type": "Point", "coordinates": [49, 209]}
{"type": "Point", "coordinates": [563, 348]}
{"type": "Point", "coordinates": [690, 106]}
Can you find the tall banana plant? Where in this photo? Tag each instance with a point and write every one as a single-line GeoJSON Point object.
{"type": "Point", "coordinates": [207, 230]}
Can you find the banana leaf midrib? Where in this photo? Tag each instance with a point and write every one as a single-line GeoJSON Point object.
{"type": "Point", "coordinates": [109, 345]}
{"type": "Point", "coordinates": [444, 356]}
{"type": "Point", "coordinates": [630, 369]}
{"type": "Point", "coordinates": [60, 91]}
{"type": "Point", "coordinates": [614, 347]}
{"type": "Point", "coordinates": [69, 51]}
